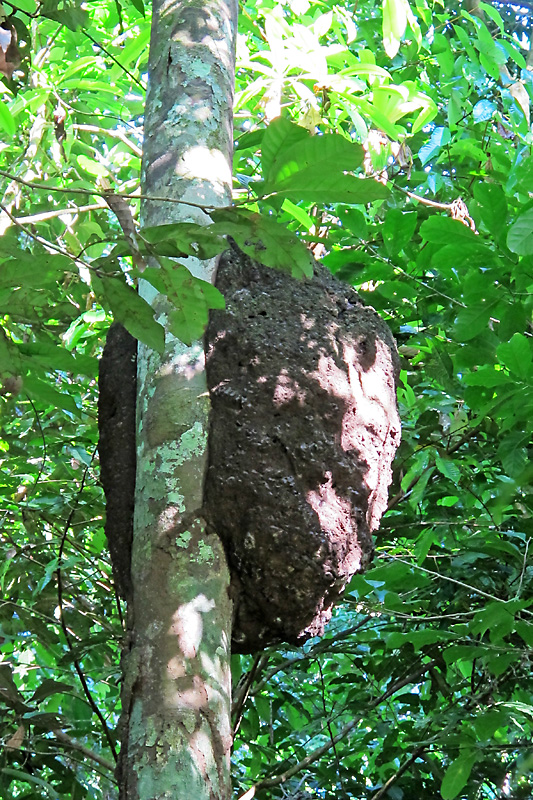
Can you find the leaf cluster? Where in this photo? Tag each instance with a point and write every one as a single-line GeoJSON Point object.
{"type": "Point", "coordinates": [393, 140]}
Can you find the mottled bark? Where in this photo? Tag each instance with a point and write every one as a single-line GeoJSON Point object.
{"type": "Point", "coordinates": [176, 696]}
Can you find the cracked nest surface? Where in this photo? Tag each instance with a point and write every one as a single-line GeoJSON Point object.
{"type": "Point", "coordinates": [304, 428]}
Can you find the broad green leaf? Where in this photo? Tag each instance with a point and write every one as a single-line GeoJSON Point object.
{"type": "Point", "coordinates": [310, 161]}
{"type": "Point", "coordinates": [461, 652]}
{"type": "Point", "coordinates": [474, 320]}
{"type": "Point", "coordinates": [448, 468]}
{"type": "Point", "coordinates": [511, 48]}
{"type": "Point", "coordinates": [265, 240]}
{"type": "Point", "coordinates": [487, 723]}
{"type": "Point", "coordinates": [439, 138]}
{"type": "Point", "coordinates": [280, 137]}
{"type": "Point", "coordinates": [189, 239]}
{"type": "Point", "coordinates": [487, 376]}
{"type": "Point", "coordinates": [419, 639]}
{"type": "Point", "coordinates": [321, 186]}
{"type": "Point", "coordinates": [49, 687]}
{"type": "Point", "coordinates": [513, 453]}
{"type": "Point", "coordinates": [491, 197]}
{"type": "Point", "coordinates": [190, 298]}
{"type": "Point", "coordinates": [456, 776]}
{"type": "Point", "coordinates": [516, 355]}
{"type": "Point", "coordinates": [299, 214]}
{"type": "Point", "coordinates": [43, 392]}
{"type": "Point", "coordinates": [443, 230]}
{"type": "Point", "coordinates": [484, 110]}
{"type": "Point", "coordinates": [6, 120]}
{"type": "Point", "coordinates": [394, 24]}
{"type": "Point", "coordinates": [497, 618]}
{"type": "Point", "coordinates": [398, 230]}
{"type": "Point", "coordinates": [380, 120]}
{"type": "Point", "coordinates": [525, 631]}
{"type": "Point", "coordinates": [92, 167]}
{"type": "Point", "coordinates": [520, 236]}
{"type": "Point", "coordinates": [8, 687]}
{"type": "Point", "coordinates": [21, 272]}
{"type": "Point", "coordinates": [79, 65]}
{"type": "Point", "coordinates": [10, 361]}
{"type": "Point", "coordinates": [491, 12]}
{"type": "Point", "coordinates": [133, 312]}
{"type": "Point", "coordinates": [70, 14]}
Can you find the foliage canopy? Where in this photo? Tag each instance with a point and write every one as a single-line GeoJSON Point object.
{"type": "Point", "coordinates": [403, 157]}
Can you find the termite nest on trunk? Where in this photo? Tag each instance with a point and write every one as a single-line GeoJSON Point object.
{"type": "Point", "coordinates": [304, 427]}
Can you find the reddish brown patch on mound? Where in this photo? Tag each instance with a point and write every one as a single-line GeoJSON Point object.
{"type": "Point", "coordinates": [304, 428]}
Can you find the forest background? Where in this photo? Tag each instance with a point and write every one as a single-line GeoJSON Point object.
{"type": "Point", "coordinates": [422, 685]}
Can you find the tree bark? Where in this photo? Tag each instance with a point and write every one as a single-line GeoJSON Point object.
{"type": "Point", "coordinates": [176, 733]}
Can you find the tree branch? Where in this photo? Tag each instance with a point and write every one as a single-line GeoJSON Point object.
{"type": "Point", "coordinates": [65, 739]}
{"type": "Point", "coordinates": [282, 777]}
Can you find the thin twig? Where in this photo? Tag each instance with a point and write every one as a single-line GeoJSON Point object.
{"type": "Point", "coordinates": [243, 690]}
{"type": "Point", "coordinates": [393, 778]}
{"type": "Point", "coordinates": [40, 239]}
{"type": "Point", "coordinates": [116, 134]}
{"type": "Point", "coordinates": [524, 564]}
{"type": "Point", "coordinates": [126, 195]}
{"type": "Point", "coordinates": [319, 752]}
{"type": "Point", "coordinates": [63, 737]}
{"type": "Point", "coordinates": [328, 723]}
{"type": "Point", "coordinates": [59, 212]}
{"type": "Point", "coordinates": [133, 77]}
{"type": "Point", "coordinates": [75, 661]}
{"type": "Point", "coordinates": [463, 585]}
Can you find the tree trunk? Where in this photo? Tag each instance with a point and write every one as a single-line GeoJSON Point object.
{"type": "Point", "coordinates": [176, 733]}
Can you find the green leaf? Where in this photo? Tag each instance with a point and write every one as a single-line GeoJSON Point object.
{"type": "Point", "coordinates": [487, 376]}
{"type": "Point", "coordinates": [448, 468]}
{"type": "Point", "coordinates": [10, 361]}
{"type": "Point", "coordinates": [516, 355]}
{"type": "Point", "coordinates": [491, 198]}
{"type": "Point", "coordinates": [312, 167]}
{"type": "Point", "coordinates": [50, 687]}
{"type": "Point", "coordinates": [190, 297]}
{"type": "Point", "coordinates": [92, 167]}
{"type": "Point", "coordinates": [130, 309]}
{"type": "Point", "coordinates": [8, 687]}
{"type": "Point", "coordinates": [321, 186]}
{"type": "Point", "coordinates": [487, 723]}
{"type": "Point", "coordinates": [280, 136]}
{"type": "Point", "coordinates": [398, 229]}
{"type": "Point", "coordinates": [71, 14]}
{"type": "Point", "coordinates": [473, 320]}
{"type": "Point", "coordinates": [512, 451]}
{"type": "Point", "coordinates": [6, 120]}
{"type": "Point", "coordinates": [43, 392]}
{"type": "Point", "coordinates": [438, 139]}
{"type": "Point", "coordinates": [525, 631]}
{"type": "Point", "coordinates": [484, 110]}
{"type": "Point", "coordinates": [497, 618]}
{"type": "Point", "coordinates": [189, 239]}
{"type": "Point", "coordinates": [443, 230]}
{"type": "Point", "coordinates": [457, 775]}
{"type": "Point", "coordinates": [520, 235]}
{"type": "Point", "coordinates": [419, 639]}
{"type": "Point", "coordinates": [266, 240]}
{"type": "Point", "coordinates": [394, 24]}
